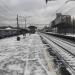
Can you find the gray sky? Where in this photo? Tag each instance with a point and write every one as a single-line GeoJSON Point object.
{"type": "Point", "coordinates": [40, 12]}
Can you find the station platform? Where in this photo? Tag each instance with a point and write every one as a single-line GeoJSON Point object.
{"type": "Point", "coordinates": [28, 56]}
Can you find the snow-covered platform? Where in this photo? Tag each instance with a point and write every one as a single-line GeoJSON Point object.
{"type": "Point", "coordinates": [25, 57]}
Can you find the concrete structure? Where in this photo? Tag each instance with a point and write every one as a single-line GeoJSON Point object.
{"type": "Point", "coordinates": [62, 24]}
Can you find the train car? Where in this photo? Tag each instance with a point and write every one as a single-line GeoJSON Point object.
{"type": "Point", "coordinates": [7, 33]}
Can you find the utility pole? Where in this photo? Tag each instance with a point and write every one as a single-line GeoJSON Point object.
{"type": "Point", "coordinates": [25, 26]}
{"type": "Point", "coordinates": [73, 24]}
{"type": "Point", "coordinates": [18, 38]}
{"type": "Point", "coordinates": [25, 18]}
{"type": "Point", "coordinates": [17, 22]}
{"type": "Point", "coordinates": [25, 23]}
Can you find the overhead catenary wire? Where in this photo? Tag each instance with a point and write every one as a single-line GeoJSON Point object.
{"type": "Point", "coordinates": [5, 12]}
{"type": "Point", "coordinates": [4, 9]}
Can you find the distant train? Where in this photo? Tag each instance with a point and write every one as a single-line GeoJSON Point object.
{"type": "Point", "coordinates": [8, 32]}
{"type": "Point", "coordinates": [13, 32]}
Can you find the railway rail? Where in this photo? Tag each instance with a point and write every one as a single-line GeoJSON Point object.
{"type": "Point", "coordinates": [66, 37]}
{"type": "Point", "coordinates": [64, 50]}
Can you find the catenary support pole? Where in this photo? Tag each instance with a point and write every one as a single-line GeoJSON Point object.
{"type": "Point", "coordinates": [18, 38]}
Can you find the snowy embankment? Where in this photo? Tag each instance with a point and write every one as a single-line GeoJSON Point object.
{"type": "Point", "coordinates": [72, 35]}
{"type": "Point", "coordinates": [25, 57]}
{"type": "Point", "coordinates": [67, 34]}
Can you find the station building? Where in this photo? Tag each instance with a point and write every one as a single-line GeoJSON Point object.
{"type": "Point", "coordinates": [62, 24]}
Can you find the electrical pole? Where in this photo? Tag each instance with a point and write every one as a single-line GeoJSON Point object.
{"type": "Point", "coordinates": [25, 19]}
{"type": "Point", "coordinates": [17, 22]}
{"type": "Point", "coordinates": [25, 27]}
{"type": "Point", "coordinates": [25, 23]}
{"type": "Point", "coordinates": [73, 25]}
{"type": "Point", "coordinates": [18, 38]}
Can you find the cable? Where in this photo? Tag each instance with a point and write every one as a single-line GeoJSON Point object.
{"type": "Point", "coordinates": [4, 12]}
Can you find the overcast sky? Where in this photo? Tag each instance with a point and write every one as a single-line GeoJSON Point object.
{"type": "Point", "coordinates": [38, 10]}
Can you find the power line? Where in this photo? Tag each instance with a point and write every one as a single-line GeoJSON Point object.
{"type": "Point", "coordinates": [4, 8]}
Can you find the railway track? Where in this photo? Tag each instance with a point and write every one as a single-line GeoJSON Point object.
{"type": "Point", "coordinates": [72, 43]}
{"type": "Point", "coordinates": [63, 49]}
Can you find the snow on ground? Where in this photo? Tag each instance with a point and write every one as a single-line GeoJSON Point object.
{"type": "Point", "coordinates": [67, 34]}
{"type": "Point", "coordinates": [72, 35]}
{"type": "Point", "coordinates": [25, 57]}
